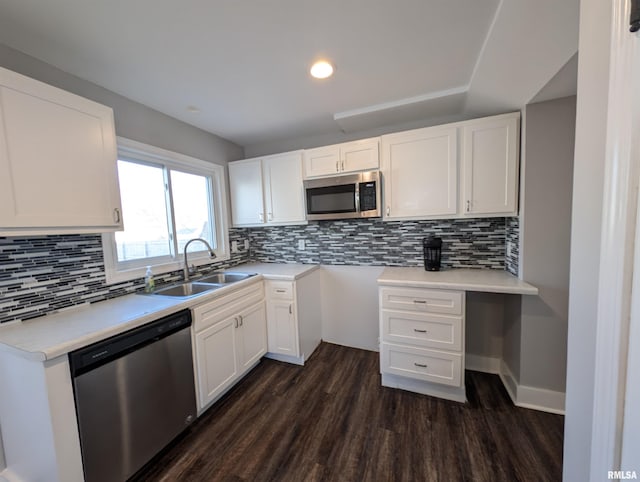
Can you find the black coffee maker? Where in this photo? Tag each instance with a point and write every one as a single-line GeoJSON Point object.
{"type": "Point", "coordinates": [432, 252]}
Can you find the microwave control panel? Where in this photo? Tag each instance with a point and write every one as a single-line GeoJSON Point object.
{"type": "Point", "coordinates": [368, 196]}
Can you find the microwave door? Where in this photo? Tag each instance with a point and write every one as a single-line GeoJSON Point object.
{"type": "Point", "coordinates": [331, 202]}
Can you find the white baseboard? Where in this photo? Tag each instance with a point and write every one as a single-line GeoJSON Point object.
{"type": "Point", "coordinates": [480, 363]}
{"type": "Point", "coordinates": [531, 397]}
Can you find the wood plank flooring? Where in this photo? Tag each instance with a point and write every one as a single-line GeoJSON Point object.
{"type": "Point", "coordinates": [332, 421]}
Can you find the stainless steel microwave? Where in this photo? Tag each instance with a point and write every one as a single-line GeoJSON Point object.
{"type": "Point", "coordinates": [343, 197]}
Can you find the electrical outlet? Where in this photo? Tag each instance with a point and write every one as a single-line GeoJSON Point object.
{"type": "Point", "coordinates": [234, 246]}
{"type": "Point", "coordinates": [246, 244]}
{"type": "Point", "coordinates": [301, 246]}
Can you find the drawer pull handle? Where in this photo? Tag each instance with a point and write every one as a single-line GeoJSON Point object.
{"type": "Point", "coordinates": [420, 365]}
{"type": "Point", "coordinates": [420, 331]}
{"type": "Point", "coordinates": [422, 302]}
{"type": "Point", "coordinates": [280, 291]}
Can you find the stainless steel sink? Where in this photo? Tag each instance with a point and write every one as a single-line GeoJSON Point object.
{"type": "Point", "coordinates": [185, 290]}
{"type": "Point", "coordinates": [225, 277]}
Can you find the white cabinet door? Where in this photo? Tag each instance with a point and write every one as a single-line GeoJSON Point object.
{"type": "Point", "coordinates": [253, 335]}
{"type": "Point", "coordinates": [321, 161]}
{"type": "Point", "coordinates": [57, 160]}
{"type": "Point", "coordinates": [216, 360]}
{"type": "Point", "coordinates": [245, 185]}
{"type": "Point", "coordinates": [360, 155]}
{"type": "Point", "coordinates": [490, 166]}
{"type": "Point", "coordinates": [283, 189]}
{"type": "Point", "coordinates": [282, 327]}
{"type": "Point", "coordinates": [420, 173]}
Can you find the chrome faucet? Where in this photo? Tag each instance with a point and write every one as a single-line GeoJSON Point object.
{"type": "Point", "coordinates": [186, 270]}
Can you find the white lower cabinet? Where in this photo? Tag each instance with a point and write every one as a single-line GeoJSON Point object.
{"type": "Point", "coordinates": [422, 340]}
{"type": "Point", "coordinates": [294, 318]}
{"type": "Point", "coordinates": [229, 338]}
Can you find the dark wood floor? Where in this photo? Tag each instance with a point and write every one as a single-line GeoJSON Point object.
{"type": "Point", "coordinates": [331, 420]}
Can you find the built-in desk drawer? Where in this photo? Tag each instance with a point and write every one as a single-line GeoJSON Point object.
{"type": "Point", "coordinates": [422, 299]}
{"type": "Point", "coordinates": [428, 365]}
{"type": "Point", "coordinates": [423, 329]}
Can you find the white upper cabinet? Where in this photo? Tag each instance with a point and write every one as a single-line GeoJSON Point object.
{"type": "Point", "coordinates": [245, 186]}
{"type": "Point", "coordinates": [490, 166]}
{"type": "Point", "coordinates": [283, 190]}
{"type": "Point", "coordinates": [419, 170]}
{"type": "Point", "coordinates": [361, 155]}
{"type": "Point", "coordinates": [58, 171]}
{"type": "Point", "coordinates": [321, 161]}
{"type": "Point", "coordinates": [267, 190]}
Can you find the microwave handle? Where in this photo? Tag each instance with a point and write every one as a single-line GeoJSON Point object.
{"type": "Point", "coordinates": [357, 194]}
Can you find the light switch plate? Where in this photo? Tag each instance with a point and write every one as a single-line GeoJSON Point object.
{"type": "Point", "coordinates": [301, 245]}
{"type": "Point", "coordinates": [234, 246]}
{"type": "Point", "coordinates": [246, 244]}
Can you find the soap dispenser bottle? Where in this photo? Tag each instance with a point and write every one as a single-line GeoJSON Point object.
{"type": "Point", "coordinates": [149, 282]}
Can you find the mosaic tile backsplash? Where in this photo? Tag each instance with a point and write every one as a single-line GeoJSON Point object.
{"type": "Point", "coordinates": [45, 274]}
{"type": "Point", "coordinates": [467, 243]}
{"type": "Point", "coordinates": [512, 243]}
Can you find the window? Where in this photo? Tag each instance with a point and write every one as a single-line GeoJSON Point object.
{"type": "Point", "coordinates": [167, 199]}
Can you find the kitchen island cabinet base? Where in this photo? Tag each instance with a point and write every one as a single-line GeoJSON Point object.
{"type": "Point", "coordinates": [456, 394]}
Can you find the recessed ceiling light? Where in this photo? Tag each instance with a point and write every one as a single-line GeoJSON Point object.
{"type": "Point", "coordinates": [193, 109]}
{"type": "Point", "coordinates": [321, 69]}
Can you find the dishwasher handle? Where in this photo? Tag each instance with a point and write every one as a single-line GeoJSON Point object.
{"type": "Point", "coordinates": [97, 354]}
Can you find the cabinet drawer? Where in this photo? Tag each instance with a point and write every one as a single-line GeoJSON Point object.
{"type": "Point", "coordinates": [428, 365]}
{"type": "Point", "coordinates": [424, 329]}
{"type": "Point", "coordinates": [421, 299]}
{"type": "Point", "coordinates": [280, 290]}
{"type": "Point", "coordinates": [218, 309]}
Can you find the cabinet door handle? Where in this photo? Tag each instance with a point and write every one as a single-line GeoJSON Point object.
{"type": "Point", "coordinates": [236, 322]}
{"type": "Point", "coordinates": [468, 205]}
{"type": "Point", "coordinates": [420, 365]}
{"type": "Point", "coordinates": [290, 309]}
{"type": "Point", "coordinates": [342, 164]}
{"type": "Point", "coordinates": [241, 320]}
{"type": "Point", "coordinates": [337, 166]}
{"type": "Point", "coordinates": [420, 331]}
{"type": "Point", "coordinates": [280, 291]}
{"type": "Point", "coordinates": [261, 215]}
{"type": "Point", "coordinates": [422, 302]}
{"type": "Point", "coordinates": [270, 216]}
{"type": "Point", "coordinates": [116, 215]}
{"type": "Point", "coordinates": [388, 210]}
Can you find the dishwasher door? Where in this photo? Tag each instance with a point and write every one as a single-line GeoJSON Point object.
{"type": "Point", "coordinates": [137, 396]}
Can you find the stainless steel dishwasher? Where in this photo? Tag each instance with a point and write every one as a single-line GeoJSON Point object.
{"type": "Point", "coordinates": [134, 393]}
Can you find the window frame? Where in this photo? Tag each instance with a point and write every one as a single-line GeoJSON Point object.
{"type": "Point", "coordinates": [134, 151]}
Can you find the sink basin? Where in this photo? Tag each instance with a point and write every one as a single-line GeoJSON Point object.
{"type": "Point", "coordinates": [185, 290]}
{"type": "Point", "coordinates": [225, 277]}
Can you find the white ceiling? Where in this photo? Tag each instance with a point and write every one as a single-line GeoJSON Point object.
{"type": "Point", "coordinates": [245, 64]}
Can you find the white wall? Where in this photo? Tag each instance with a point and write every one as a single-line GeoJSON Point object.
{"type": "Point", "coordinates": [2, 461]}
{"type": "Point", "coordinates": [133, 120]}
{"type": "Point", "coordinates": [545, 231]}
{"type": "Point", "coordinates": [484, 318]}
{"type": "Point", "coordinates": [591, 128]}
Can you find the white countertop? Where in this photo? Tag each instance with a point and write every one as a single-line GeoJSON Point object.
{"type": "Point", "coordinates": [486, 280]}
{"type": "Point", "coordinates": [276, 271]}
{"type": "Point", "coordinates": [57, 334]}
